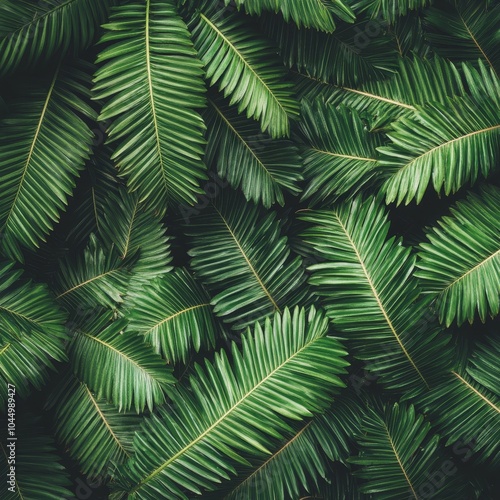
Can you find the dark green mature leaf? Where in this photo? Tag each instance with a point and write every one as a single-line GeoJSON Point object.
{"type": "Point", "coordinates": [235, 410]}
{"type": "Point", "coordinates": [388, 10]}
{"type": "Point", "coordinates": [398, 453]}
{"type": "Point", "coordinates": [240, 255]}
{"type": "Point", "coordinates": [466, 31]}
{"type": "Point", "coordinates": [367, 287]}
{"type": "Point", "coordinates": [93, 280]}
{"type": "Point", "coordinates": [303, 459]}
{"type": "Point", "coordinates": [44, 145]}
{"type": "Point", "coordinates": [416, 82]}
{"type": "Point", "coordinates": [306, 13]}
{"type": "Point", "coordinates": [93, 431]}
{"type": "Point", "coordinates": [245, 67]}
{"type": "Point", "coordinates": [466, 407]}
{"type": "Point", "coordinates": [460, 264]}
{"type": "Point", "coordinates": [38, 472]}
{"type": "Point", "coordinates": [444, 144]}
{"type": "Point", "coordinates": [250, 159]}
{"type": "Point", "coordinates": [124, 370]}
{"type": "Point", "coordinates": [151, 83]}
{"type": "Point", "coordinates": [87, 207]}
{"type": "Point", "coordinates": [339, 153]}
{"type": "Point", "coordinates": [350, 56]}
{"type": "Point", "coordinates": [34, 32]}
{"type": "Point", "coordinates": [31, 332]}
{"type": "Point", "coordinates": [173, 314]}
{"type": "Point", "coordinates": [133, 230]}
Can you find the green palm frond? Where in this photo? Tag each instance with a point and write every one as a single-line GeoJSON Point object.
{"type": "Point", "coordinates": [31, 332]}
{"type": "Point", "coordinates": [96, 278]}
{"type": "Point", "coordinates": [339, 153]}
{"type": "Point", "coordinates": [416, 82]}
{"type": "Point", "coordinates": [232, 411]}
{"type": "Point", "coordinates": [249, 159]}
{"type": "Point", "coordinates": [131, 229]}
{"type": "Point", "coordinates": [466, 31]}
{"type": "Point", "coordinates": [398, 453]}
{"type": "Point", "coordinates": [92, 430]}
{"type": "Point", "coordinates": [306, 13]}
{"type": "Point", "coordinates": [367, 287]}
{"type": "Point", "coordinates": [347, 57]}
{"type": "Point", "coordinates": [34, 32]}
{"type": "Point", "coordinates": [35, 460]}
{"type": "Point", "coordinates": [245, 68]}
{"type": "Point", "coordinates": [45, 143]}
{"type": "Point", "coordinates": [151, 83]}
{"type": "Point", "coordinates": [125, 370]}
{"type": "Point", "coordinates": [173, 314]}
{"type": "Point", "coordinates": [302, 460]}
{"type": "Point", "coordinates": [466, 407]}
{"type": "Point", "coordinates": [460, 264]}
{"type": "Point", "coordinates": [88, 204]}
{"type": "Point", "coordinates": [445, 145]}
{"type": "Point", "coordinates": [408, 36]}
{"type": "Point", "coordinates": [388, 10]}
{"type": "Point", "coordinates": [240, 255]}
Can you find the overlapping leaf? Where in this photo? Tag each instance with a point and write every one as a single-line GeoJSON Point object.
{"type": "Point", "coordinates": [124, 369]}
{"type": "Point", "coordinates": [236, 410]}
{"type": "Point", "coordinates": [239, 253]}
{"type": "Point", "coordinates": [367, 287]}
{"type": "Point", "coordinates": [45, 143]}
{"type": "Point", "coordinates": [151, 83]}
{"type": "Point", "coordinates": [460, 263]}
{"type": "Point", "coordinates": [250, 159]}
{"type": "Point", "coordinates": [245, 68]}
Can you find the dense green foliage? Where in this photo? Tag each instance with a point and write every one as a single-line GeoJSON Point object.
{"type": "Point", "coordinates": [250, 249]}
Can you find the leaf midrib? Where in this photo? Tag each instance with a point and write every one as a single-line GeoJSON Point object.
{"type": "Point", "coordinates": [33, 143]}
{"type": "Point", "coordinates": [223, 417]}
{"type": "Point", "coordinates": [378, 300]}
{"type": "Point", "coordinates": [103, 418]}
{"type": "Point", "coordinates": [242, 58]}
{"type": "Point", "coordinates": [396, 454]}
{"type": "Point", "coordinates": [229, 124]}
{"type": "Point", "coordinates": [249, 263]}
{"type": "Point", "coordinates": [475, 391]}
{"type": "Point", "coordinates": [169, 318]}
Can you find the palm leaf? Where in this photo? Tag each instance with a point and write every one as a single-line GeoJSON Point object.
{"type": "Point", "coordinates": [466, 406]}
{"type": "Point", "coordinates": [249, 159]}
{"type": "Point", "coordinates": [45, 143]}
{"type": "Point", "coordinates": [92, 430]}
{"type": "Point", "coordinates": [95, 279]}
{"type": "Point", "coordinates": [301, 460]}
{"type": "Point", "coordinates": [306, 13]}
{"type": "Point", "coordinates": [239, 254]}
{"type": "Point", "coordinates": [388, 10]}
{"type": "Point", "coordinates": [125, 370]}
{"type": "Point", "coordinates": [151, 83]}
{"type": "Point", "coordinates": [38, 472]}
{"type": "Point", "coordinates": [368, 290]}
{"type": "Point", "coordinates": [416, 81]}
{"type": "Point", "coordinates": [398, 452]}
{"type": "Point", "coordinates": [244, 66]}
{"type": "Point", "coordinates": [339, 153]}
{"type": "Point", "coordinates": [87, 207]}
{"type": "Point", "coordinates": [342, 58]}
{"type": "Point", "coordinates": [33, 33]}
{"type": "Point", "coordinates": [466, 31]}
{"type": "Point", "coordinates": [446, 144]}
{"type": "Point", "coordinates": [173, 314]}
{"type": "Point", "coordinates": [31, 332]}
{"type": "Point", "coordinates": [460, 264]}
{"type": "Point", "coordinates": [236, 410]}
{"type": "Point", "coordinates": [127, 226]}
